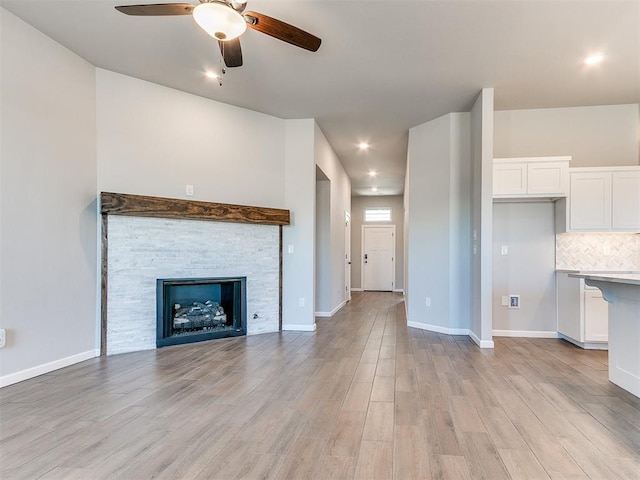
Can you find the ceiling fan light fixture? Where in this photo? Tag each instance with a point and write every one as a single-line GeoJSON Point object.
{"type": "Point", "coordinates": [219, 20]}
{"type": "Point", "coordinates": [594, 59]}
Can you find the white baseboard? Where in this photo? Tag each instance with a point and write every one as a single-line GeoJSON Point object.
{"type": "Point", "coordinates": [439, 329]}
{"type": "Point", "coordinates": [481, 343]}
{"type": "Point", "coordinates": [395, 290]}
{"type": "Point", "coordinates": [332, 312]}
{"type": "Point", "coordinates": [586, 345]}
{"type": "Point", "coordinates": [298, 328]}
{"type": "Point", "coordinates": [46, 368]}
{"type": "Point", "coordinates": [525, 334]}
{"type": "Point", "coordinates": [452, 331]}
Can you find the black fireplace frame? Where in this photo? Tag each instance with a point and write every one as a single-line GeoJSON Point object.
{"type": "Point", "coordinates": [164, 309]}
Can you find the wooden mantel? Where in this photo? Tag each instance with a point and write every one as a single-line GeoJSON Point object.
{"type": "Point", "coordinates": [144, 206]}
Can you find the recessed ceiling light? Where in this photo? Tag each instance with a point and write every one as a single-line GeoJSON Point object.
{"type": "Point", "coordinates": [363, 145]}
{"type": "Point", "coordinates": [374, 189]}
{"type": "Point", "coordinates": [211, 75]}
{"type": "Point", "coordinates": [594, 59]}
{"type": "Point", "coordinates": [372, 173]}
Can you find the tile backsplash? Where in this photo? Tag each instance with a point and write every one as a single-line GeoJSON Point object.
{"type": "Point", "coordinates": [598, 251]}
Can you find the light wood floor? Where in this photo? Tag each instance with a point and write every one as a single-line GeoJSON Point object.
{"type": "Point", "coordinates": [364, 397]}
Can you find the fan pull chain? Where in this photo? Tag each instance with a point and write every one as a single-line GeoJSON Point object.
{"type": "Point", "coordinates": [223, 69]}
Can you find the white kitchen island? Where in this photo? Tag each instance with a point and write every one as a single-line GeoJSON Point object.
{"type": "Point", "coordinates": [622, 291]}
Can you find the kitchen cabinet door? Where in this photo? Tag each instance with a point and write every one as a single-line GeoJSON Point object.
{"type": "Point", "coordinates": [530, 177]}
{"type": "Point", "coordinates": [547, 178]}
{"type": "Point", "coordinates": [510, 179]}
{"type": "Point", "coordinates": [590, 201]}
{"type": "Point", "coordinates": [625, 192]}
{"type": "Point", "coordinates": [596, 316]}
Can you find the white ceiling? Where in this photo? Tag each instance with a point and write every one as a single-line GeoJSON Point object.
{"type": "Point", "coordinates": [383, 67]}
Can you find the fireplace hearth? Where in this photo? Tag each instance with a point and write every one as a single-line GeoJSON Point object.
{"type": "Point", "coordinates": [198, 309]}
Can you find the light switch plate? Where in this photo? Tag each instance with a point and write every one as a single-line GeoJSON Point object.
{"type": "Point", "coordinates": [504, 250]}
{"type": "Point", "coordinates": [3, 337]}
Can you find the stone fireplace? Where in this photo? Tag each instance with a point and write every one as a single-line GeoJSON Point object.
{"type": "Point", "coordinates": [146, 240]}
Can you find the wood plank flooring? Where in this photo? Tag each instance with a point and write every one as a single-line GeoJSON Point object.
{"type": "Point", "coordinates": [364, 397]}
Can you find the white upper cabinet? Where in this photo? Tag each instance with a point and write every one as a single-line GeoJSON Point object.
{"type": "Point", "coordinates": [509, 178]}
{"type": "Point", "coordinates": [601, 200]}
{"type": "Point", "coordinates": [590, 201]}
{"type": "Point", "coordinates": [625, 189]}
{"type": "Point", "coordinates": [530, 177]}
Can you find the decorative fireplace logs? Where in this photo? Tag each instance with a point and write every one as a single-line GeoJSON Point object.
{"type": "Point", "coordinates": [199, 315]}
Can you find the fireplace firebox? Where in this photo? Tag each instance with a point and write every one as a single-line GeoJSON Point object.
{"type": "Point", "coordinates": [198, 309]}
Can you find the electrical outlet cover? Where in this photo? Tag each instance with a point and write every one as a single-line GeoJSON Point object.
{"type": "Point", "coordinates": [514, 301]}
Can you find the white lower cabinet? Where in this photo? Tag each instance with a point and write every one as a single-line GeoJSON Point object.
{"type": "Point", "coordinates": [596, 315]}
{"type": "Point", "coordinates": [583, 315]}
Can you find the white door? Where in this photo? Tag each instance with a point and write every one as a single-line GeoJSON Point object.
{"type": "Point", "coordinates": [378, 247]}
{"type": "Point", "coordinates": [347, 256]}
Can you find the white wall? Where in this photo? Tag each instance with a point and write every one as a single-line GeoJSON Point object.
{"type": "Point", "coordinates": [358, 205]}
{"type": "Point", "coordinates": [340, 202]}
{"type": "Point", "coordinates": [528, 270]}
{"type": "Point", "coordinates": [323, 245]}
{"type": "Point", "coordinates": [482, 223]}
{"type": "Point", "coordinates": [437, 225]}
{"type": "Point", "coordinates": [154, 140]}
{"type": "Point", "coordinates": [460, 221]}
{"type": "Point", "coordinates": [407, 209]}
{"type": "Point", "coordinates": [298, 268]}
{"type": "Point", "coordinates": [593, 136]}
{"type": "Point", "coordinates": [48, 212]}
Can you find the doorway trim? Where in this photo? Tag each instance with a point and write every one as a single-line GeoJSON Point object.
{"type": "Point", "coordinates": [347, 256]}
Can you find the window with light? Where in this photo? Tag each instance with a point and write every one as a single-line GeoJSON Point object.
{"type": "Point", "coordinates": [377, 214]}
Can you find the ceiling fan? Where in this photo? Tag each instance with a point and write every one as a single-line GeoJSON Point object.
{"type": "Point", "coordinates": [226, 20]}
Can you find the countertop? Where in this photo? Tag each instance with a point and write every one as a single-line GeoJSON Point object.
{"type": "Point", "coordinates": [595, 272]}
{"type": "Point", "coordinates": [628, 278]}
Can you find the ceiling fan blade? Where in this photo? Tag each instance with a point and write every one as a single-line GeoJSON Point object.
{"type": "Point", "coordinates": [231, 52]}
{"type": "Point", "coordinates": [157, 9]}
{"type": "Point", "coordinates": [282, 31]}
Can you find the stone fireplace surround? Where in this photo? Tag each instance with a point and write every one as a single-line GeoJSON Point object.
{"type": "Point", "coordinates": [146, 238]}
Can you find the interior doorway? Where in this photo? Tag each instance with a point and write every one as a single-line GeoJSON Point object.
{"type": "Point", "coordinates": [378, 257]}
